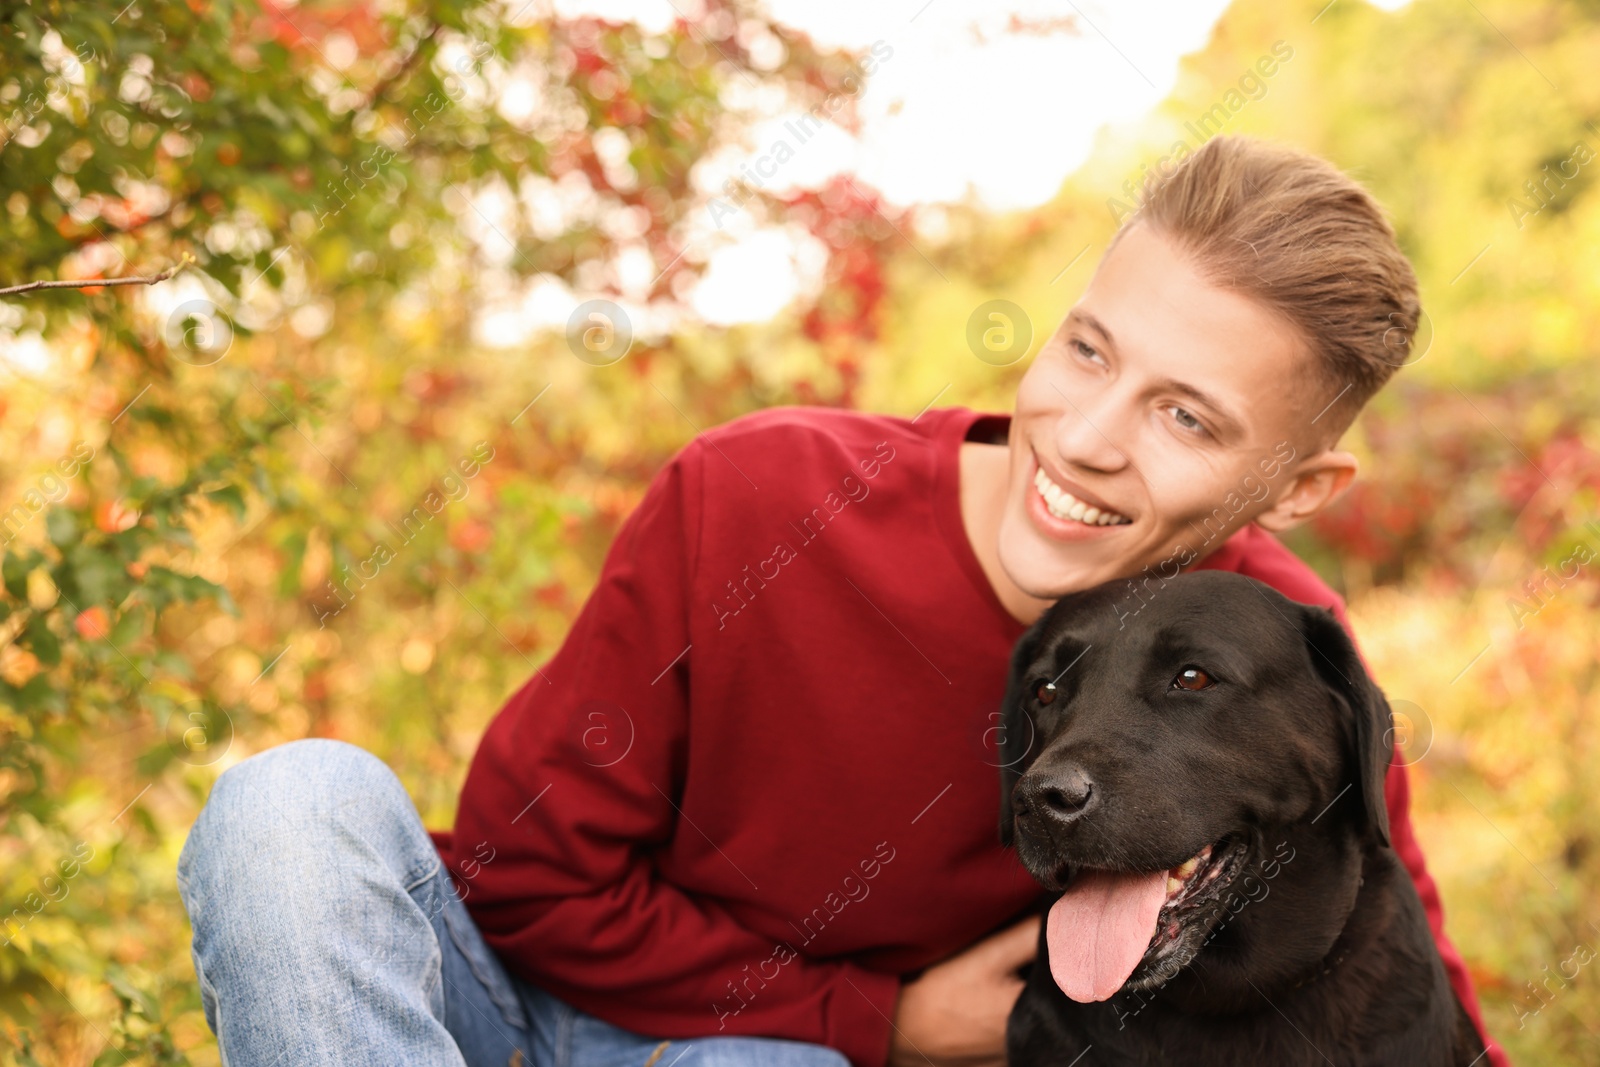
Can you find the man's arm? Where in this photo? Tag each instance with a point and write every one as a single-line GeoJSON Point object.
{"type": "Point", "coordinates": [577, 783]}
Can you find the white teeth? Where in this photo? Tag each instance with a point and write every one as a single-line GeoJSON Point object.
{"type": "Point", "coordinates": [1188, 866]}
{"type": "Point", "coordinates": [1173, 885]}
{"type": "Point", "coordinates": [1063, 505]}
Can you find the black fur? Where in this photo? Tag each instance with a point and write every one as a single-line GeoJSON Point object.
{"type": "Point", "coordinates": [1315, 948]}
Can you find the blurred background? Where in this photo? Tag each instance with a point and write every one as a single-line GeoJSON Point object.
{"type": "Point", "coordinates": [556, 241]}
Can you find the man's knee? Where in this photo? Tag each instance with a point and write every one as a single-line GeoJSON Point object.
{"type": "Point", "coordinates": [279, 807]}
{"type": "Point", "coordinates": [742, 1051]}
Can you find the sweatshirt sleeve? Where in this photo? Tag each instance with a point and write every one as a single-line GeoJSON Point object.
{"type": "Point", "coordinates": [1397, 791]}
{"type": "Point", "coordinates": [576, 783]}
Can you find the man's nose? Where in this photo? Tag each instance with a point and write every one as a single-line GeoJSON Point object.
{"type": "Point", "coordinates": [1059, 797]}
{"type": "Point", "coordinates": [1088, 431]}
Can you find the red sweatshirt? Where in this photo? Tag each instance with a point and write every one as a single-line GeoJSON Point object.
{"type": "Point", "coordinates": [757, 784]}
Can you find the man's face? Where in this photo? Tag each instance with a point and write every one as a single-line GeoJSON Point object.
{"type": "Point", "coordinates": [1169, 401]}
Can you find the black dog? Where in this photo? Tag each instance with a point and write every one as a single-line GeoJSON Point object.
{"type": "Point", "coordinates": [1204, 789]}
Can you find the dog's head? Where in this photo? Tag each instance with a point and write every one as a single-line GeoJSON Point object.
{"type": "Point", "coordinates": [1148, 761]}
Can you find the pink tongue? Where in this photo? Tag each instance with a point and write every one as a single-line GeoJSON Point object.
{"type": "Point", "coordinates": [1099, 929]}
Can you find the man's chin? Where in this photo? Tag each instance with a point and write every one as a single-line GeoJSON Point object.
{"type": "Point", "coordinates": [1047, 571]}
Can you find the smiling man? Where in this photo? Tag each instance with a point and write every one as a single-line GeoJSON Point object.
{"type": "Point", "coordinates": [750, 805]}
{"type": "Point", "coordinates": [1136, 448]}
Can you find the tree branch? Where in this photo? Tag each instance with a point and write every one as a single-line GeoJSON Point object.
{"type": "Point", "coordinates": [89, 283]}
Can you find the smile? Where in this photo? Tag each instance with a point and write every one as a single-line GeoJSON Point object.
{"type": "Point", "coordinates": [1193, 883]}
{"type": "Point", "coordinates": [1063, 505]}
{"type": "Point", "coordinates": [1193, 906]}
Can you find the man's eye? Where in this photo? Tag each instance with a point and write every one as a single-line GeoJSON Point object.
{"type": "Point", "coordinates": [1187, 420]}
{"type": "Point", "coordinates": [1192, 678]}
{"type": "Point", "coordinates": [1085, 350]}
{"type": "Point", "coordinates": [1045, 692]}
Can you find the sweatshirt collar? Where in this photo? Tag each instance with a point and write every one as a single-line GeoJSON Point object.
{"type": "Point", "coordinates": [957, 424]}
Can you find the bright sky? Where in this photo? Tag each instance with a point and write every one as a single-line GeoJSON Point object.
{"type": "Point", "coordinates": [958, 108]}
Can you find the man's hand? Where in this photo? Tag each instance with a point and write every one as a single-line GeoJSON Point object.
{"type": "Point", "coordinates": [954, 1015]}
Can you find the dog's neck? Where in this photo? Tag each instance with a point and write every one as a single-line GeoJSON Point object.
{"type": "Point", "coordinates": [1326, 965]}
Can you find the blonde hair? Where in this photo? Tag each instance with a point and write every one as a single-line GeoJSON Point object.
{"type": "Point", "coordinates": [1294, 232]}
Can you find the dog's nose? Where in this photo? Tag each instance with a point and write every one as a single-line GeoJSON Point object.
{"type": "Point", "coordinates": [1064, 796]}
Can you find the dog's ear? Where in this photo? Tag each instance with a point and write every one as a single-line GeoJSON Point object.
{"type": "Point", "coordinates": [1368, 721]}
{"type": "Point", "coordinates": [1017, 741]}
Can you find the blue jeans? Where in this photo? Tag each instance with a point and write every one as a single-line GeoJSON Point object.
{"type": "Point", "coordinates": [327, 932]}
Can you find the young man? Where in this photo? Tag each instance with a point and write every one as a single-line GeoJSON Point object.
{"type": "Point", "coordinates": [751, 803]}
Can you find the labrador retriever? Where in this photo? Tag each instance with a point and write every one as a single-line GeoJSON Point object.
{"type": "Point", "coordinates": [1201, 789]}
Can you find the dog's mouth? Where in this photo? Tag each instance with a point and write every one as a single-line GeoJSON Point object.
{"type": "Point", "coordinates": [1116, 930]}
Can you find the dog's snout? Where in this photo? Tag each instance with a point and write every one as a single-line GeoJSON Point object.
{"type": "Point", "coordinates": [1068, 795]}
{"type": "Point", "coordinates": [1063, 796]}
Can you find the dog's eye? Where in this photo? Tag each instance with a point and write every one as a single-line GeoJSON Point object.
{"type": "Point", "coordinates": [1046, 693]}
{"type": "Point", "coordinates": [1192, 678]}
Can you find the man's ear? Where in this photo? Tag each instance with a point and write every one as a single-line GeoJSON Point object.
{"type": "Point", "coordinates": [1318, 481]}
{"type": "Point", "coordinates": [1018, 739]}
{"type": "Point", "coordinates": [1368, 726]}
